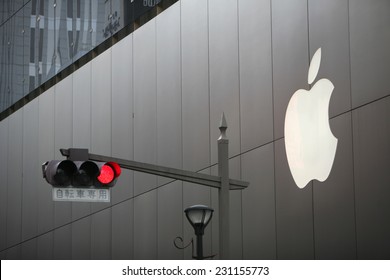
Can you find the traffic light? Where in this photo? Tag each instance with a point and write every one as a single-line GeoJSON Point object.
{"type": "Point", "coordinates": [63, 173]}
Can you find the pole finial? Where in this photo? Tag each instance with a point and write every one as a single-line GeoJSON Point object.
{"type": "Point", "coordinates": [223, 127]}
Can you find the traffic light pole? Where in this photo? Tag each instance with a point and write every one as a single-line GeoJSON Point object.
{"type": "Point", "coordinates": [222, 182]}
{"type": "Point", "coordinates": [223, 192]}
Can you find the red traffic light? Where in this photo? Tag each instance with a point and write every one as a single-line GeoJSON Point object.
{"type": "Point", "coordinates": [109, 171]}
{"type": "Point", "coordinates": [106, 174]}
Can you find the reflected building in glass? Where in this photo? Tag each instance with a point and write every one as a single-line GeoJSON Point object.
{"type": "Point", "coordinates": [40, 38]}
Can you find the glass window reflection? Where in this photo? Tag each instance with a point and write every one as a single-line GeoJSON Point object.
{"type": "Point", "coordinates": [40, 38]}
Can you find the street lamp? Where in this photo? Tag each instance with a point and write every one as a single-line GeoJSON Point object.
{"type": "Point", "coordinates": [199, 216]}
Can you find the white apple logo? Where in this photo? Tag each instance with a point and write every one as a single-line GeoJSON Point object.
{"type": "Point", "coordinates": [310, 144]}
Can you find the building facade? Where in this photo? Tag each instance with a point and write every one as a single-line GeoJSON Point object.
{"type": "Point", "coordinates": [157, 96]}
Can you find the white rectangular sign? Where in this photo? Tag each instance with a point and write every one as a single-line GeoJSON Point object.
{"type": "Point", "coordinates": [81, 195]}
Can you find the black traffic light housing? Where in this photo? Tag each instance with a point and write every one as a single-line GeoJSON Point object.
{"type": "Point", "coordinates": [78, 171]}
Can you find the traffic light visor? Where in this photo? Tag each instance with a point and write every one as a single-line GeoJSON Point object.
{"type": "Point", "coordinates": [59, 172]}
{"type": "Point", "coordinates": [86, 172]}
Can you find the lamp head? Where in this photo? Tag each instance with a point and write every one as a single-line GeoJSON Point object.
{"type": "Point", "coordinates": [199, 216]}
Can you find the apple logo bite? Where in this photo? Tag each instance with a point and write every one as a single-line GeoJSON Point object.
{"type": "Point", "coordinates": [310, 144]}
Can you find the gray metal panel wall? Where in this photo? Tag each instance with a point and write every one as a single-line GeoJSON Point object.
{"type": "Point", "coordinates": [170, 220]}
{"type": "Point", "coordinates": [145, 226]}
{"type": "Point", "coordinates": [256, 108]}
{"type": "Point", "coordinates": [82, 123]}
{"type": "Point", "coordinates": [223, 67]}
{"type": "Point", "coordinates": [45, 246]}
{"type": "Point", "coordinates": [29, 250]}
{"type": "Point", "coordinates": [14, 253]}
{"type": "Point", "coordinates": [122, 114]}
{"type": "Point", "coordinates": [195, 84]}
{"type": "Point", "coordinates": [236, 235]}
{"type": "Point", "coordinates": [46, 152]}
{"type": "Point", "coordinates": [63, 121]}
{"type": "Point", "coordinates": [3, 255]}
{"type": "Point", "coordinates": [123, 230]}
{"type": "Point", "coordinates": [3, 185]}
{"type": "Point", "coordinates": [81, 239]}
{"type": "Point", "coordinates": [294, 212]}
{"type": "Point", "coordinates": [168, 67]}
{"type": "Point", "coordinates": [145, 102]}
{"type": "Point", "coordinates": [195, 110]}
{"type": "Point", "coordinates": [82, 107]}
{"type": "Point", "coordinates": [101, 104]}
{"type": "Point", "coordinates": [334, 205]}
{"type": "Point", "coordinates": [62, 244]}
{"type": "Point", "coordinates": [289, 55]}
{"type": "Point", "coordinates": [371, 138]}
{"type": "Point", "coordinates": [370, 41]}
{"type": "Point", "coordinates": [329, 30]}
{"type": "Point", "coordinates": [258, 204]}
{"type": "Point", "coordinates": [14, 182]}
{"type": "Point", "coordinates": [101, 235]}
{"type": "Point", "coordinates": [31, 175]}
{"type": "Point", "coordinates": [214, 224]}
{"type": "Point", "coordinates": [101, 110]}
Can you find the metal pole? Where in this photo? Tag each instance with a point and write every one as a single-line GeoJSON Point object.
{"type": "Point", "coordinates": [223, 172]}
{"type": "Point", "coordinates": [199, 247]}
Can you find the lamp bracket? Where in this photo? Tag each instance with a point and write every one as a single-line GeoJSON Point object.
{"type": "Point", "coordinates": [182, 241]}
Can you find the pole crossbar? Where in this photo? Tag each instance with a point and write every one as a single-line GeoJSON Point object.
{"type": "Point", "coordinates": [168, 172]}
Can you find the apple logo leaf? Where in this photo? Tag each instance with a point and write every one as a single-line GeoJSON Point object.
{"type": "Point", "coordinates": [314, 66]}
